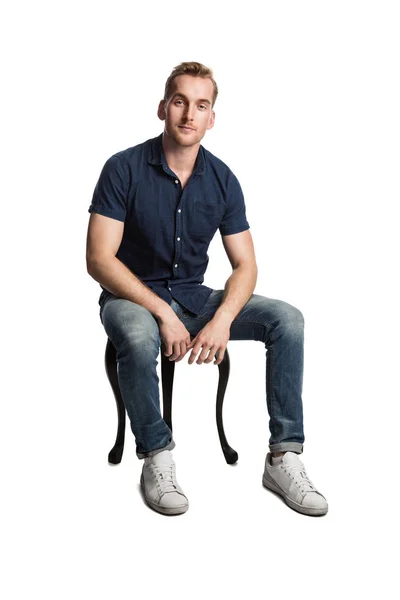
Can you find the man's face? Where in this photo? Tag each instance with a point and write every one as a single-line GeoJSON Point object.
{"type": "Point", "coordinates": [189, 105]}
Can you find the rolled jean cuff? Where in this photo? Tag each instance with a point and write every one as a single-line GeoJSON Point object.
{"type": "Point", "coordinates": [170, 446]}
{"type": "Point", "coordinates": [287, 447]}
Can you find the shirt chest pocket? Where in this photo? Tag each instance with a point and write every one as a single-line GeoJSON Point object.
{"type": "Point", "coordinates": [206, 218]}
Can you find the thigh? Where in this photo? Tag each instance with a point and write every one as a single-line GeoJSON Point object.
{"type": "Point", "coordinates": [125, 320]}
{"type": "Point", "coordinates": [253, 322]}
{"type": "Point", "coordinates": [261, 315]}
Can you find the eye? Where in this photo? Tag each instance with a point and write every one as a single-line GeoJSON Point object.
{"type": "Point", "coordinates": [203, 106]}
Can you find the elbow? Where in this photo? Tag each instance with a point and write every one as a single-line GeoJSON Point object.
{"type": "Point", "coordinates": [93, 262]}
{"type": "Point", "coordinates": [247, 266]}
{"type": "Point", "coordinates": [89, 265]}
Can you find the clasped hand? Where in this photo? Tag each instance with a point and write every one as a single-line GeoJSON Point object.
{"type": "Point", "coordinates": [211, 340]}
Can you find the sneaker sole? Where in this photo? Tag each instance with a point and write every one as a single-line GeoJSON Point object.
{"type": "Point", "coordinates": [165, 510]}
{"type": "Point", "coordinates": [295, 505]}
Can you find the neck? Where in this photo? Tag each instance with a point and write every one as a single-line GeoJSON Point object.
{"type": "Point", "coordinates": [180, 159]}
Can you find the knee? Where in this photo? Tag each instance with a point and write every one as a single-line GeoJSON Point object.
{"type": "Point", "coordinates": [291, 318]}
{"type": "Point", "coordinates": [140, 345]}
{"type": "Point", "coordinates": [139, 336]}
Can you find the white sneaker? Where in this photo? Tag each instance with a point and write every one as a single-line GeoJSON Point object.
{"type": "Point", "coordinates": [159, 485]}
{"type": "Point", "coordinates": [289, 479]}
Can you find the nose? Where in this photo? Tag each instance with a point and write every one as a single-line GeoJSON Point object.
{"type": "Point", "coordinates": [190, 112]}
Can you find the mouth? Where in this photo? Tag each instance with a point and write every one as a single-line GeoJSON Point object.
{"type": "Point", "coordinates": [185, 128]}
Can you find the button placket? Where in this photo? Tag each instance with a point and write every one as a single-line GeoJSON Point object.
{"type": "Point", "coordinates": [178, 246]}
{"type": "Point", "coordinates": [177, 251]}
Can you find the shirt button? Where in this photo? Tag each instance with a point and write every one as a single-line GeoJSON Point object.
{"type": "Point", "coordinates": [179, 239]}
{"type": "Point", "coordinates": [179, 210]}
{"type": "Point", "coordinates": [176, 181]}
{"type": "Point", "coordinates": [176, 265]}
{"type": "Point", "coordinates": [169, 289]}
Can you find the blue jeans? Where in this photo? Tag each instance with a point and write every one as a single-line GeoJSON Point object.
{"type": "Point", "coordinates": [135, 334]}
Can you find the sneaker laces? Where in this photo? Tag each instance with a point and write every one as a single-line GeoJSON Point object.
{"type": "Point", "coordinates": [165, 478]}
{"type": "Point", "coordinates": [300, 477]}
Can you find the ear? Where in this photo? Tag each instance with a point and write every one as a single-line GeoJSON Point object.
{"type": "Point", "coordinates": [211, 121]}
{"type": "Point", "coordinates": [161, 111]}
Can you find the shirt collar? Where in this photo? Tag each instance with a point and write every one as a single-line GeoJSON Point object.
{"type": "Point", "coordinates": [157, 156]}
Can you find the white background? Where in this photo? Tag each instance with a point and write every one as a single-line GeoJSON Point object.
{"type": "Point", "coordinates": [308, 119]}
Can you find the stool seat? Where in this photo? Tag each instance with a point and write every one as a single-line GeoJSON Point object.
{"type": "Point", "coordinates": [167, 380]}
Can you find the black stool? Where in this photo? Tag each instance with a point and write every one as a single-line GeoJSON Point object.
{"type": "Point", "coordinates": [167, 378]}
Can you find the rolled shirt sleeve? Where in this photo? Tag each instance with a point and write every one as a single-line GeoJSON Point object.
{"type": "Point", "coordinates": [234, 219]}
{"type": "Point", "coordinates": [110, 194]}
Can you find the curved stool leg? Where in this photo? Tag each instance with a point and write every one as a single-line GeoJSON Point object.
{"type": "Point", "coordinates": [115, 454]}
{"type": "Point", "coordinates": [167, 379]}
{"type": "Point", "coordinates": [231, 456]}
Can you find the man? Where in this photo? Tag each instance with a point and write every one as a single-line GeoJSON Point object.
{"type": "Point", "coordinates": [155, 209]}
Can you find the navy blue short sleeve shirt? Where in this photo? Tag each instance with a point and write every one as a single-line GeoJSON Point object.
{"type": "Point", "coordinates": [168, 230]}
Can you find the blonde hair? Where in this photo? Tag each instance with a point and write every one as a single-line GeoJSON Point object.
{"type": "Point", "coordinates": [195, 69]}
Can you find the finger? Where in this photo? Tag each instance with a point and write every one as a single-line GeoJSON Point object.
{"type": "Point", "coordinates": [182, 352]}
{"type": "Point", "coordinates": [192, 357]}
{"type": "Point", "coordinates": [177, 351]}
{"type": "Point", "coordinates": [194, 353]}
{"type": "Point", "coordinates": [187, 348]}
{"type": "Point", "coordinates": [203, 355]}
{"type": "Point", "coordinates": [168, 349]}
{"type": "Point", "coordinates": [211, 355]}
{"type": "Point", "coordinates": [219, 358]}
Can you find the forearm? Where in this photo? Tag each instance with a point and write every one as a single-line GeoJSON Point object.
{"type": "Point", "coordinates": [113, 275]}
{"type": "Point", "coordinates": [238, 290]}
